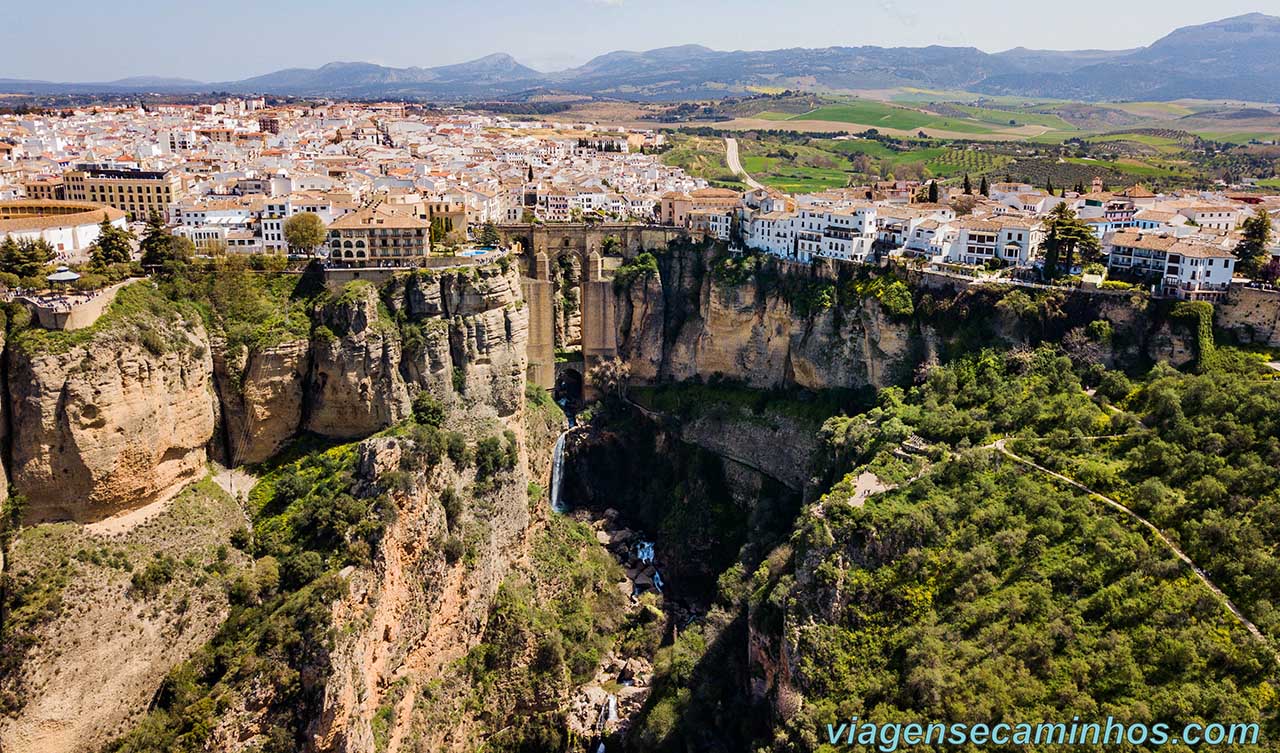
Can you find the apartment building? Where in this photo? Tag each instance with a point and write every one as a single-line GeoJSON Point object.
{"type": "Point", "coordinates": [50, 189]}
{"type": "Point", "coordinates": [1009, 240]}
{"type": "Point", "coordinates": [676, 205]}
{"type": "Point", "coordinates": [380, 235]}
{"type": "Point", "coordinates": [137, 193]}
{"type": "Point", "coordinates": [1186, 268]}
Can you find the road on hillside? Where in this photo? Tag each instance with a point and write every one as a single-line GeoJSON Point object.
{"type": "Point", "coordinates": [731, 157]}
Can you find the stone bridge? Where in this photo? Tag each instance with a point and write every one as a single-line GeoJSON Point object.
{"type": "Point", "coordinates": [541, 246]}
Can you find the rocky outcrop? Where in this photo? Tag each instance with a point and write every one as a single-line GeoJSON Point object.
{"type": "Point", "coordinates": [355, 384]}
{"type": "Point", "coordinates": [127, 414]}
{"type": "Point", "coordinates": [262, 398]}
{"type": "Point", "coordinates": [94, 662]}
{"type": "Point", "coordinates": [687, 325]}
{"type": "Point", "coordinates": [418, 609]}
{"type": "Point", "coordinates": [114, 422]}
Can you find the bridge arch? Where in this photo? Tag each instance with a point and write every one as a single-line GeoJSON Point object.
{"type": "Point", "coordinates": [584, 246]}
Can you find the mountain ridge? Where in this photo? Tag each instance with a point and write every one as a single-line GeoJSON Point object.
{"type": "Point", "coordinates": [1230, 58]}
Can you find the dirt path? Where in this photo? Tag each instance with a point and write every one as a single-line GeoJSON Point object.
{"type": "Point", "coordinates": [1244, 621]}
{"type": "Point", "coordinates": [735, 165]}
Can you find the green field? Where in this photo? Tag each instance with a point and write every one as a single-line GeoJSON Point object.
{"type": "Point", "coordinates": [1135, 168]}
{"type": "Point", "coordinates": [957, 162]}
{"type": "Point", "coordinates": [793, 178]}
{"type": "Point", "coordinates": [702, 157]}
{"type": "Point", "coordinates": [771, 115]}
{"type": "Point", "coordinates": [1239, 138]}
{"type": "Point", "coordinates": [881, 115]}
{"type": "Point", "coordinates": [1020, 117]}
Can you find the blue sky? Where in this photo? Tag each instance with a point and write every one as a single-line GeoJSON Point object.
{"type": "Point", "coordinates": [93, 40]}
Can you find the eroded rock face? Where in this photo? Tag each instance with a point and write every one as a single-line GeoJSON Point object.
{"type": "Point", "coordinates": [262, 397]}
{"type": "Point", "coordinates": [416, 610]}
{"type": "Point", "coordinates": [475, 323]}
{"type": "Point", "coordinates": [109, 424]}
{"type": "Point", "coordinates": [686, 325]}
{"type": "Point", "coordinates": [355, 384]}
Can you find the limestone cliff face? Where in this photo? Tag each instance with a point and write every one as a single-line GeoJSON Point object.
{"type": "Point", "coordinates": [355, 384]}
{"type": "Point", "coordinates": [262, 396]}
{"type": "Point", "coordinates": [417, 610]}
{"type": "Point", "coordinates": [686, 325]}
{"type": "Point", "coordinates": [111, 423]}
{"type": "Point", "coordinates": [473, 323]}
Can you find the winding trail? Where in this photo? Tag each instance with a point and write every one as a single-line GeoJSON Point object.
{"type": "Point", "coordinates": [735, 165]}
{"type": "Point", "coordinates": [999, 445]}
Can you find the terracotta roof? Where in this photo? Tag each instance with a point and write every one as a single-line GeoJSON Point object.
{"type": "Point", "coordinates": [1137, 239]}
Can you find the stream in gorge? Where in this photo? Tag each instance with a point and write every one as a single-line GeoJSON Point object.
{"type": "Point", "coordinates": [638, 557]}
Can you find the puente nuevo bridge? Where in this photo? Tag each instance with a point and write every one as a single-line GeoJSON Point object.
{"type": "Point", "coordinates": [541, 247]}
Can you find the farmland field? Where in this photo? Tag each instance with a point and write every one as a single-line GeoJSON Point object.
{"type": "Point", "coordinates": [1002, 117]}
{"type": "Point", "coordinates": [880, 115]}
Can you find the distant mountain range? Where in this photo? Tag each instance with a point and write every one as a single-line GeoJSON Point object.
{"type": "Point", "coordinates": [1236, 58]}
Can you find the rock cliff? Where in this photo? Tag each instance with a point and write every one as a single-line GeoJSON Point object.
{"type": "Point", "coordinates": [125, 413]}
{"type": "Point", "coordinates": [117, 420]}
{"type": "Point", "coordinates": [686, 324]}
{"type": "Point", "coordinates": [825, 326]}
{"type": "Point", "coordinates": [355, 387]}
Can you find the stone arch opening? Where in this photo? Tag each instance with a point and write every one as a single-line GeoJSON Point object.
{"type": "Point", "coordinates": [567, 272]}
{"type": "Point", "coordinates": [568, 391]}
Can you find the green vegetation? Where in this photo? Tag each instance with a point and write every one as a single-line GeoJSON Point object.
{"type": "Point", "coordinates": [984, 589]}
{"type": "Point", "coordinates": [251, 309]}
{"type": "Point", "coordinates": [1203, 473]}
{"type": "Point", "coordinates": [304, 232]}
{"type": "Point", "coordinates": [702, 157]}
{"type": "Point", "coordinates": [139, 312]}
{"type": "Point", "coordinates": [643, 267]}
{"type": "Point", "coordinates": [307, 525]}
{"type": "Point", "coordinates": [25, 259]}
{"type": "Point", "coordinates": [548, 627]}
{"type": "Point", "coordinates": [881, 115]}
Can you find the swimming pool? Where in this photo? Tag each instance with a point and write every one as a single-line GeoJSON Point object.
{"type": "Point", "coordinates": [474, 252]}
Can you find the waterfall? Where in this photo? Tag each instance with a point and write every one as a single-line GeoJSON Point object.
{"type": "Point", "coordinates": [557, 473]}
{"type": "Point", "coordinates": [644, 551]}
{"type": "Point", "coordinates": [608, 713]}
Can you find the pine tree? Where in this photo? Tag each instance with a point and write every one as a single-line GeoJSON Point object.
{"type": "Point", "coordinates": [968, 186]}
{"type": "Point", "coordinates": [933, 192]}
{"type": "Point", "coordinates": [25, 258]}
{"type": "Point", "coordinates": [113, 246]}
{"type": "Point", "coordinates": [983, 188]}
{"type": "Point", "coordinates": [1252, 249]}
{"type": "Point", "coordinates": [1065, 233]}
{"type": "Point", "coordinates": [489, 235]}
{"type": "Point", "coordinates": [157, 244]}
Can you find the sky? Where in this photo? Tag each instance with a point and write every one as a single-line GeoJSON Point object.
{"type": "Point", "coordinates": [92, 40]}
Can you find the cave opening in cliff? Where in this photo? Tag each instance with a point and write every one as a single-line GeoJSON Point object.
{"type": "Point", "coordinates": [568, 389]}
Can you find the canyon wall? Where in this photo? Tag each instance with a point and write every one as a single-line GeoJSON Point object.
{"type": "Point", "coordinates": [763, 330]}
{"type": "Point", "coordinates": [113, 421]}
{"type": "Point", "coordinates": [127, 412]}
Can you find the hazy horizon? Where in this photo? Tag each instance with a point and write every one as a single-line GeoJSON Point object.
{"type": "Point", "coordinates": [208, 43]}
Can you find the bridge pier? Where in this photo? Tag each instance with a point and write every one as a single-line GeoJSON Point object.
{"type": "Point", "coordinates": [537, 289]}
{"type": "Point", "coordinates": [599, 329]}
{"type": "Point", "coordinates": [544, 245]}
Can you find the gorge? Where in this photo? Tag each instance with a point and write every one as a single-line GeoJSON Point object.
{"type": "Point", "coordinates": [429, 559]}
